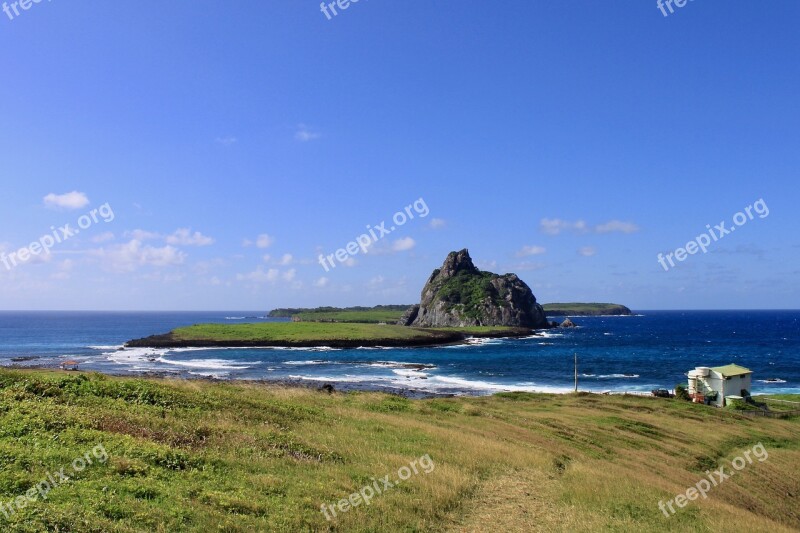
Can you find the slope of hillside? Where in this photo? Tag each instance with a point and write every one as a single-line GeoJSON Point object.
{"type": "Point", "coordinates": [201, 456]}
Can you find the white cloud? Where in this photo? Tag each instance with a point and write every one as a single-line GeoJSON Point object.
{"type": "Point", "coordinates": [70, 200]}
{"type": "Point", "coordinates": [351, 262]}
{"type": "Point", "coordinates": [185, 237]}
{"type": "Point", "coordinates": [527, 251]}
{"type": "Point", "coordinates": [376, 283]}
{"type": "Point", "coordinates": [66, 265]}
{"type": "Point", "coordinates": [103, 237]}
{"type": "Point", "coordinates": [322, 282]}
{"type": "Point", "coordinates": [554, 226]}
{"type": "Point", "coordinates": [617, 226]}
{"type": "Point", "coordinates": [264, 241]}
{"type": "Point", "coordinates": [587, 251]}
{"type": "Point", "coordinates": [401, 245]}
{"type": "Point", "coordinates": [132, 255]}
{"type": "Point", "coordinates": [259, 276]}
{"type": "Point", "coordinates": [305, 134]}
{"type": "Point", "coordinates": [287, 259]}
{"type": "Point", "coordinates": [438, 223]}
{"type": "Point", "coordinates": [142, 235]}
{"type": "Point", "coordinates": [202, 268]}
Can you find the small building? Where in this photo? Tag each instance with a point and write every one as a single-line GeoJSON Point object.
{"type": "Point", "coordinates": [69, 365]}
{"type": "Point", "coordinates": [713, 385]}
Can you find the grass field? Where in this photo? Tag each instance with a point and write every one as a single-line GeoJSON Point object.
{"type": "Point", "coordinates": [238, 457]}
{"type": "Point", "coordinates": [369, 317]}
{"type": "Point", "coordinates": [319, 334]}
{"type": "Point", "coordinates": [299, 331]}
{"type": "Point", "coordinates": [323, 332]}
{"type": "Point", "coordinates": [389, 314]}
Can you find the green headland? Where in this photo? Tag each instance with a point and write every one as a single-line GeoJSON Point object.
{"type": "Point", "coordinates": [310, 334]}
{"type": "Point", "coordinates": [197, 456]}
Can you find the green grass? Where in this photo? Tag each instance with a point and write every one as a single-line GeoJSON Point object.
{"type": "Point", "coordinates": [370, 315]}
{"type": "Point", "coordinates": [238, 457]}
{"type": "Point", "coordinates": [468, 291]}
{"type": "Point", "coordinates": [373, 316]}
{"type": "Point", "coordinates": [318, 334]}
{"type": "Point", "coordinates": [299, 331]}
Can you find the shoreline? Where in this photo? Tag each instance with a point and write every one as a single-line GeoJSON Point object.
{"type": "Point", "coordinates": [312, 383]}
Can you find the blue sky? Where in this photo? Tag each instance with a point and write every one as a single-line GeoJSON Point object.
{"type": "Point", "coordinates": [568, 142]}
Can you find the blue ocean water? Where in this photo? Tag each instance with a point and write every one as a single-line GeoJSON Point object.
{"type": "Point", "coordinates": [634, 353]}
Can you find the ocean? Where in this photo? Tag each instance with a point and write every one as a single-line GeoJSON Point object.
{"type": "Point", "coordinates": [652, 349]}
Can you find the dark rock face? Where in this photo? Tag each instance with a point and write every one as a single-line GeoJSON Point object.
{"type": "Point", "coordinates": [459, 294]}
{"type": "Point", "coordinates": [409, 316]}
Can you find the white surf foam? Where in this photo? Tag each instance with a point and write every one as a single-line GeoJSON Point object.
{"type": "Point", "coordinates": [545, 335]}
{"type": "Point", "coordinates": [135, 356]}
{"type": "Point", "coordinates": [343, 379]}
{"type": "Point", "coordinates": [217, 375]}
{"type": "Point", "coordinates": [217, 364]}
{"type": "Point", "coordinates": [443, 382]}
{"type": "Point", "coordinates": [410, 374]}
{"type": "Point", "coordinates": [481, 341]}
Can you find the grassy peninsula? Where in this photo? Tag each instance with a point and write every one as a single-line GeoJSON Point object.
{"type": "Point", "coordinates": [305, 334]}
{"type": "Point", "coordinates": [197, 456]}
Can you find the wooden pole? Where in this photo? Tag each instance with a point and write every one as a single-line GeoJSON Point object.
{"type": "Point", "coordinates": [576, 371]}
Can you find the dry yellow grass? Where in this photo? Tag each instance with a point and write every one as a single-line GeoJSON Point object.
{"type": "Point", "coordinates": [264, 458]}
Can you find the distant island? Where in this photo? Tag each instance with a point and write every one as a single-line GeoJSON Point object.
{"type": "Point", "coordinates": [390, 314]}
{"type": "Point", "coordinates": [458, 301]}
{"type": "Point", "coordinates": [585, 309]}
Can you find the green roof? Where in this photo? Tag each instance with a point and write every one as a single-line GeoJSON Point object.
{"type": "Point", "coordinates": [732, 370]}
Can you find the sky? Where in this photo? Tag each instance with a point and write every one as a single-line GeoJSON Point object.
{"type": "Point", "coordinates": [210, 153]}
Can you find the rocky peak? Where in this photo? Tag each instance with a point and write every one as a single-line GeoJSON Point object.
{"type": "Point", "coordinates": [457, 262]}
{"type": "Point", "coordinates": [459, 294]}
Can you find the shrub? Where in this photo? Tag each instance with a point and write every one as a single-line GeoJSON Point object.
{"type": "Point", "coordinates": [682, 393]}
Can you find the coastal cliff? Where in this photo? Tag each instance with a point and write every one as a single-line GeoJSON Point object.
{"type": "Point", "coordinates": [459, 294]}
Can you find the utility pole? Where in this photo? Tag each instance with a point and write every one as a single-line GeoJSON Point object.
{"type": "Point", "coordinates": [576, 371]}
